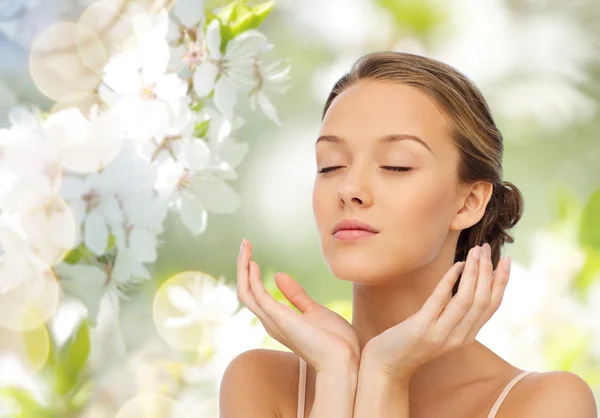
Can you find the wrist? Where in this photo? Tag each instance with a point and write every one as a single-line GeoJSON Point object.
{"type": "Point", "coordinates": [390, 375]}
{"type": "Point", "coordinates": [340, 363]}
{"type": "Point", "coordinates": [340, 367]}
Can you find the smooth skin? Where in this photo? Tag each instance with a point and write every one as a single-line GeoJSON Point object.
{"type": "Point", "coordinates": [318, 335]}
{"type": "Point", "coordinates": [405, 325]}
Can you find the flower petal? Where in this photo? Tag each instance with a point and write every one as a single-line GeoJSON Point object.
{"type": "Point", "coordinates": [189, 12]}
{"type": "Point", "coordinates": [193, 215]}
{"type": "Point", "coordinates": [155, 58]}
{"type": "Point", "coordinates": [225, 97]}
{"type": "Point", "coordinates": [213, 39]}
{"type": "Point", "coordinates": [95, 233]}
{"type": "Point", "coordinates": [170, 88]}
{"type": "Point", "coordinates": [143, 243]}
{"type": "Point", "coordinates": [246, 45]}
{"type": "Point", "coordinates": [196, 154]}
{"type": "Point", "coordinates": [204, 78]}
{"type": "Point", "coordinates": [267, 108]}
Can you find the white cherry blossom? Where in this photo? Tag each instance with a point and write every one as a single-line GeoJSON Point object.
{"type": "Point", "coordinates": [271, 78]}
{"type": "Point", "coordinates": [84, 145]}
{"type": "Point", "coordinates": [231, 71]}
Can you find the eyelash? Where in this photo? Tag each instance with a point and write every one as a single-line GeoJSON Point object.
{"type": "Point", "coordinates": [390, 168]}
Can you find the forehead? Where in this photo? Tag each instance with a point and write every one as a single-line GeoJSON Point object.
{"type": "Point", "coordinates": [371, 109]}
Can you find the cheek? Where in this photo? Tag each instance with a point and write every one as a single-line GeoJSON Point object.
{"type": "Point", "coordinates": [418, 221]}
{"type": "Point", "coordinates": [419, 206]}
{"type": "Point", "coordinates": [321, 203]}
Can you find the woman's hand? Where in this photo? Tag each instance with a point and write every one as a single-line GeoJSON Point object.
{"type": "Point", "coordinates": [444, 323]}
{"type": "Point", "coordinates": [320, 336]}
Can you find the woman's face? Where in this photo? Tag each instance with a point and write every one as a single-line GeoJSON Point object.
{"type": "Point", "coordinates": [411, 210]}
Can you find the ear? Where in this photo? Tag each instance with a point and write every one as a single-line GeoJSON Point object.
{"type": "Point", "coordinates": [472, 203]}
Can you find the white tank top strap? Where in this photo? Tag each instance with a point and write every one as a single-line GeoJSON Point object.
{"type": "Point", "coordinates": [505, 392]}
{"type": "Point", "coordinates": [301, 388]}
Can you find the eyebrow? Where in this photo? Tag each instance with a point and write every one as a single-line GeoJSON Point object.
{"type": "Point", "coordinates": [386, 139]}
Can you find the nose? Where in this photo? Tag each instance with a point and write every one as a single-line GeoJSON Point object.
{"type": "Point", "coordinates": [355, 189]}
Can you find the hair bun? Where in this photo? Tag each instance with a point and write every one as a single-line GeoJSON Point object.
{"type": "Point", "coordinates": [509, 205]}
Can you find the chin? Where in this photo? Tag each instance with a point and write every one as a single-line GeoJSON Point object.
{"type": "Point", "coordinates": [357, 268]}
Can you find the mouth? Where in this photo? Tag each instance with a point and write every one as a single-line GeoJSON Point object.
{"type": "Point", "coordinates": [353, 234]}
{"type": "Point", "coordinates": [353, 229]}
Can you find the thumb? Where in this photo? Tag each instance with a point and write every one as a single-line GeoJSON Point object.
{"type": "Point", "coordinates": [292, 290]}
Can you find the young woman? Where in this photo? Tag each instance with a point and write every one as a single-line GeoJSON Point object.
{"type": "Point", "coordinates": [409, 204]}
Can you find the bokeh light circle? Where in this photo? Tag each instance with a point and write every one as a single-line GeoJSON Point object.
{"type": "Point", "coordinates": [51, 230]}
{"type": "Point", "coordinates": [31, 302]}
{"type": "Point", "coordinates": [111, 21]}
{"type": "Point", "coordinates": [198, 333]}
{"type": "Point", "coordinates": [82, 100]}
{"type": "Point", "coordinates": [59, 57]}
{"type": "Point", "coordinates": [30, 347]}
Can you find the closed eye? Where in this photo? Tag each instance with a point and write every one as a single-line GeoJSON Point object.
{"type": "Point", "coordinates": [396, 168]}
{"type": "Point", "coordinates": [328, 169]}
{"type": "Point", "coordinates": [390, 168]}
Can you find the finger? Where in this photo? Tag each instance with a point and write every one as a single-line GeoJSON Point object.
{"type": "Point", "coordinates": [293, 292]}
{"type": "Point", "coordinates": [273, 311]}
{"type": "Point", "coordinates": [499, 284]}
{"type": "Point", "coordinates": [243, 285]}
{"type": "Point", "coordinates": [245, 293]}
{"type": "Point", "coordinates": [441, 294]}
{"type": "Point", "coordinates": [470, 325]}
{"type": "Point", "coordinates": [460, 304]}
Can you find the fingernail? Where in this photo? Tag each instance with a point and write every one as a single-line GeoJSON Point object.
{"type": "Point", "coordinates": [242, 245]}
{"type": "Point", "coordinates": [476, 253]}
{"type": "Point", "coordinates": [506, 264]}
{"type": "Point", "coordinates": [487, 250]}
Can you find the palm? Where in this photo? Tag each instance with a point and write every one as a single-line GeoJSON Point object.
{"type": "Point", "coordinates": [333, 324]}
{"type": "Point", "coordinates": [320, 336]}
{"type": "Point", "coordinates": [401, 344]}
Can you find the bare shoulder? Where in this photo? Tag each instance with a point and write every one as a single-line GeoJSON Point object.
{"type": "Point", "coordinates": [550, 394]}
{"type": "Point", "coordinates": [258, 383]}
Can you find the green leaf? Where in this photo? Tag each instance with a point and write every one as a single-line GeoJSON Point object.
{"type": "Point", "coordinates": [201, 128]}
{"type": "Point", "coordinates": [589, 231]}
{"type": "Point", "coordinates": [48, 372]}
{"type": "Point", "coordinates": [112, 241]}
{"type": "Point", "coordinates": [224, 15]}
{"type": "Point", "coordinates": [73, 256]}
{"type": "Point", "coordinates": [197, 105]}
{"type": "Point", "coordinates": [82, 396]}
{"type": "Point", "coordinates": [72, 359]}
{"type": "Point", "coordinates": [237, 17]}
{"type": "Point", "coordinates": [81, 251]}
{"type": "Point", "coordinates": [251, 18]}
{"type": "Point", "coordinates": [24, 400]}
{"type": "Point", "coordinates": [214, 4]}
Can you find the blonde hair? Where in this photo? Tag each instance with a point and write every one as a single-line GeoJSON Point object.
{"type": "Point", "coordinates": [478, 140]}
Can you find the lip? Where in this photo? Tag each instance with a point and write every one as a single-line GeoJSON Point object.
{"type": "Point", "coordinates": [353, 234]}
{"type": "Point", "coordinates": [350, 229]}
